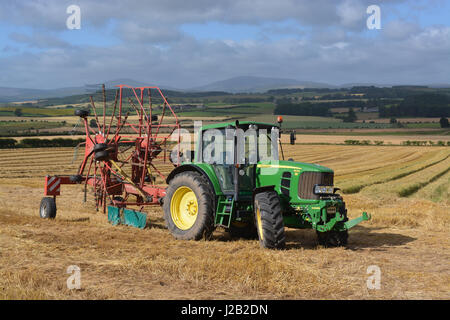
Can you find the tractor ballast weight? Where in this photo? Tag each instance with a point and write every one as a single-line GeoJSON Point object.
{"type": "Point", "coordinates": [249, 199]}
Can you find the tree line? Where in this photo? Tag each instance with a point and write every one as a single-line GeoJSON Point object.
{"type": "Point", "coordinates": [319, 109]}
{"type": "Point", "coordinates": [39, 143]}
{"type": "Point", "coordinates": [422, 105]}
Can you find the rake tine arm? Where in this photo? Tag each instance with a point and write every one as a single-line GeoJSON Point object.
{"type": "Point", "coordinates": [121, 125]}
{"type": "Point", "coordinates": [95, 112]}
{"type": "Point", "coordinates": [104, 108]}
{"type": "Point", "coordinates": [113, 114]}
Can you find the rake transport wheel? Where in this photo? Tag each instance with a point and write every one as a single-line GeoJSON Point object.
{"type": "Point", "coordinates": [269, 220]}
{"type": "Point", "coordinates": [332, 238]}
{"type": "Point", "coordinates": [47, 209]}
{"type": "Point", "coordinates": [188, 207]}
{"type": "Point", "coordinates": [244, 230]}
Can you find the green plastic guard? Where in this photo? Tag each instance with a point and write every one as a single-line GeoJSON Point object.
{"type": "Point", "coordinates": [127, 216]}
{"type": "Point", "coordinates": [114, 215]}
{"type": "Point", "coordinates": [134, 218]}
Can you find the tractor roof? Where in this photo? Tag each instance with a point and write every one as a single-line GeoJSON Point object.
{"type": "Point", "coordinates": [263, 125]}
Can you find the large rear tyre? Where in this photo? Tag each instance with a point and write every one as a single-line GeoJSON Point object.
{"type": "Point", "coordinates": [332, 238]}
{"type": "Point", "coordinates": [269, 220]}
{"type": "Point", "coordinates": [47, 209]}
{"type": "Point", "coordinates": [189, 207]}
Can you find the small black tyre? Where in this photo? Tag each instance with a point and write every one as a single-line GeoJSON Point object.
{"type": "Point", "coordinates": [243, 230]}
{"type": "Point", "coordinates": [81, 113]}
{"type": "Point", "coordinates": [47, 209]}
{"type": "Point", "coordinates": [189, 207]}
{"type": "Point", "coordinates": [332, 238]}
{"type": "Point", "coordinates": [100, 147]}
{"type": "Point", "coordinates": [269, 220]}
{"type": "Point", "coordinates": [101, 155]}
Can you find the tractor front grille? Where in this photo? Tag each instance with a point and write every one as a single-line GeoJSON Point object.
{"type": "Point", "coordinates": [309, 179]}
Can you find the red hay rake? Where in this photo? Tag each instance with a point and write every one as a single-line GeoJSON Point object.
{"type": "Point", "coordinates": [122, 154]}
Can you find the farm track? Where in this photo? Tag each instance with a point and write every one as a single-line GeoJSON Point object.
{"type": "Point", "coordinates": [407, 237]}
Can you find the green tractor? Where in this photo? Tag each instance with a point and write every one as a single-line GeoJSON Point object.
{"type": "Point", "coordinates": [252, 194]}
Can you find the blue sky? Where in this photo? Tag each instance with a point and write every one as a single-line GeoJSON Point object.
{"type": "Point", "coordinates": [184, 44]}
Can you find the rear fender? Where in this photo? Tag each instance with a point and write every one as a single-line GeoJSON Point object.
{"type": "Point", "coordinates": [204, 170]}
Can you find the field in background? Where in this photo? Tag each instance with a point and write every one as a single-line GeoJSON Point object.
{"type": "Point", "coordinates": [220, 108]}
{"type": "Point", "coordinates": [407, 237]}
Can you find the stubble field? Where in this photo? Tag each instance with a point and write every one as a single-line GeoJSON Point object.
{"type": "Point", "coordinates": [406, 189]}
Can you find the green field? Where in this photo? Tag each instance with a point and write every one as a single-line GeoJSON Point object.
{"type": "Point", "coordinates": [11, 127]}
{"type": "Point", "coordinates": [35, 112]}
{"type": "Point", "coordinates": [219, 106]}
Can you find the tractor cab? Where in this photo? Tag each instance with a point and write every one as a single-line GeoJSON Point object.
{"type": "Point", "coordinates": [233, 150]}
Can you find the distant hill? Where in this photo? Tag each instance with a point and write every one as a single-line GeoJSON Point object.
{"type": "Point", "coordinates": [23, 94]}
{"type": "Point", "coordinates": [253, 84]}
{"type": "Point", "coordinates": [439, 85]}
{"type": "Point", "coordinates": [364, 84]}
{"type": "Point", "coordinates": [250, 84]}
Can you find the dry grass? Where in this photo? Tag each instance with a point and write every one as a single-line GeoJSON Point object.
{"type": "Point", "coordinates": [407, 238]}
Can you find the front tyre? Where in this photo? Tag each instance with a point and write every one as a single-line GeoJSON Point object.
{"type": "Point", "coordinates": [189, 207]}
{"type": "Point", "coordinates": [269, 220]}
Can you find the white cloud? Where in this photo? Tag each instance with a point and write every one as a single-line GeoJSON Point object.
{"type": "Point", "coordinates": [399, 29]}
{"type": "Point", "coordinates": [325, 42]}
{"type": "Point", "coordinates": [352, 14]}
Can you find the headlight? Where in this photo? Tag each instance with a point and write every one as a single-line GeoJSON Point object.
{"type": "Point", "coordinates": [323, 189]}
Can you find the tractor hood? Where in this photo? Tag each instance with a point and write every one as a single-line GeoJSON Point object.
{"type": "Point", "coordinates": [283, 165]}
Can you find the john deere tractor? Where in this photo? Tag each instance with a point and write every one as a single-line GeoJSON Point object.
{"type": "Point", "coordinates": [233, 181]}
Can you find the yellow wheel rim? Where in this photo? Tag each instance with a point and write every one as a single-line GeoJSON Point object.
{"type": "Point", "coordinates": [259, 223]}
{"type": "Point", "coordinates": [184, 208]}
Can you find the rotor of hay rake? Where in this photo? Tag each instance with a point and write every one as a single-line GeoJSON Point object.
{"type": "Point", "coordinates": [128, 146]}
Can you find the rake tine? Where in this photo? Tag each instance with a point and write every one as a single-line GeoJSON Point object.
{"type": "Point", "coordinates": [113, 114]}
{"type": "Point", "coordinates": [95, 112]}
{"type": "Point", "coordinates": [121, 125]}
{"type": "Point", "coordinates": [87, 177]}
{"type": "Point", "coordinates": [104, 108]}
{"type": "Point", "coordinates": [134, 106]}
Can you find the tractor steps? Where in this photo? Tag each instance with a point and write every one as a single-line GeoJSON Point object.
{"type": "Point", "coordinates": [225, 208]}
